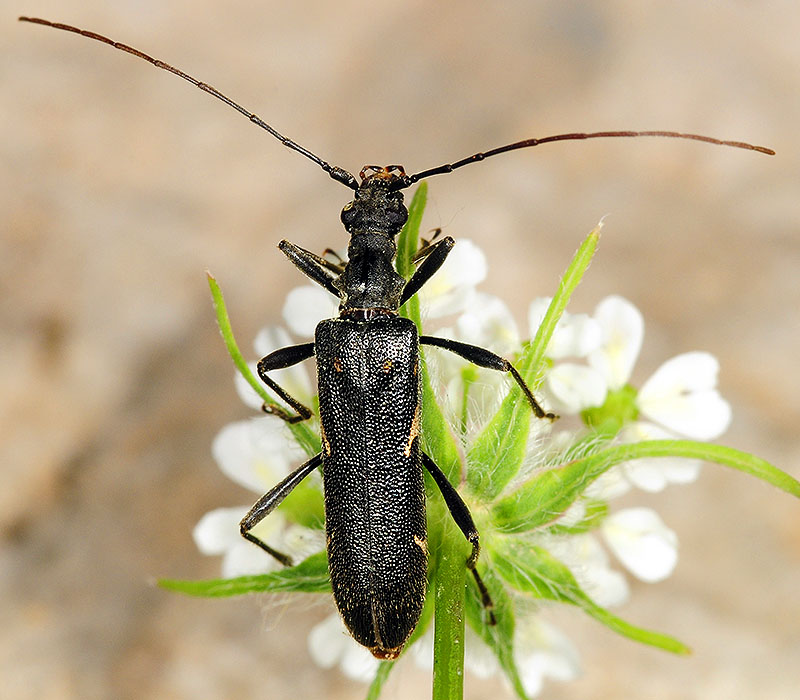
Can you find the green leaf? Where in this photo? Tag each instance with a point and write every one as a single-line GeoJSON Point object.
{"type": "Point", "coordinates": [498, 452]}
{"type": "Point", "coordinates": [596, 512]}
{"type": "Point", "coordinates": [437, 439]}
{"type": "Point", "coordinates": [303, 434]}
{"type": "Point", "coordinates": [546, 496]}
{"type": "Point", "coordinates": [726, 456]}
{"type": "Point", "coordinates": [533, 570]}
{"type": "Point", "coordinates": [381, 676]}
{"type": "Point", "coordinates": [500, 636]}
{"type": "Point", "coordinates": [309, 576]}
{"type": "Point", "coordinates": [408, 240]}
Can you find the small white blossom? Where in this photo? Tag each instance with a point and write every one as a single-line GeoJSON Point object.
{"type": "Point", "coordinates": [575, 335]}
{"type": "Point", "coordinates": [255, 453]}
{"type": "Point", "coordinates": [589, 563]}
{"type": "Point", "coordinates": [622, 333]}
{"type": "Point", "coordinates": [217, 534]}
{"type": "Point", "coordinates": [541, 651]}
{"type": "Point", "coordinates": [330, 644]}
{"type": "Point", "coordinates": [681, 395]}
{"type": "Point", "coordinates": [294, 379]}
{"type": "Point", "coordinates": [306, 306]}
{"type": "Point", "coordinates": [570, 388]}
{"type": "Point", "coordinates": [654, 474]}
{"type": "Point", "coordinates": [452, 288]}
{"type": "Point", "coordinates": [641, 541]}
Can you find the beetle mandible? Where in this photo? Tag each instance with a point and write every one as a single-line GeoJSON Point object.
{"type": "Point", "coordinates": [369, 393]}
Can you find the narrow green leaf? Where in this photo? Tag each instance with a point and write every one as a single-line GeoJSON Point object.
{"type": "Point", "coordinates": [381, 676]}
{"type": "Point", "coordinates": [408, 240]}
{"type": "Point", "coordinates": [546, 496]}
{"type": "Point", "coordinates": [303, 434]}
{"type": "Point", "coordinates": [726, 456]}
{"type": "Point", "coordinates": [596, 512]}
{"type": "Point", "coordinates": [498, 452]}
{"type": "Point", "coordinates": [533, 570]}
{"type": "Point", "coordinates": [499, 637]}
{"type": "Point", "coordinates": [309, 576]}
{"type": "Point", "coordinates": [437, 439]}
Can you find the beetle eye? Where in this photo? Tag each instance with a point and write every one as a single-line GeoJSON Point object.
{"type": "Point", "coordinates": [349, 214]}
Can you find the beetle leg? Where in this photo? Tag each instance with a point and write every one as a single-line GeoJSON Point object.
{"type": "Point", "coordinates": [279, 359]}
{"type": "Point", "coordinates": [425, 245]}
{"type": "Point", "coordinates": [270, 501]}
{"type": "Point", "coordinates": [485, 358]}
{"type": "Point", "coordinates": [312, 265]}
{"type": "Point", "coordinates": [337, 267]}
{"type": "Point", "coordinates": [433, 255]}
{"type": "Point", "coordinates": [463, 518]}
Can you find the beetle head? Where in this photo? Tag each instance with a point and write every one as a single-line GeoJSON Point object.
{"type": "Point", "coordinates": [378, 204]}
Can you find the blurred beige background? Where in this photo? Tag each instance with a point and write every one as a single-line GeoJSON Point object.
{"type": "Point", "coordinates": [120, 185]}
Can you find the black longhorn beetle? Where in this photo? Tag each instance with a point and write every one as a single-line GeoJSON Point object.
{"type": "Point", "coordinates": [369, 394]}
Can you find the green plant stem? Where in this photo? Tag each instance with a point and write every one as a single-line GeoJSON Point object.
{"type": "Point", "coordinates": [449, 616]}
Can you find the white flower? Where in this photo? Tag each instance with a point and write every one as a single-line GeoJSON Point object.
{"type": "Point", "coordinates": [641, 541]}
{"type": "Point", "coordinates": [540, 651]}
{"type": "Point", "coordinates": [305, 307]}
{"type": "Point", "coordinates": [589, 563]}
{"type": "Point", "coordinates": [680, 399]}
{"type": "Point", "coordinates": [655, 473]}
{"type": "Point", "coordinates": [622, 328]}
{"type": "Point", "coordinates": [487, 323]}
{"type": "Point", "coordinates": [294, 379]}
{"type": "Point", "coordinates": [330, 644]}
{"type": "Point", "coordinates": [217, 534]}
{"type": "Point", "coordinates": [452, 288]}
{"type": "Point", "coordinates": [681, 395]}
{"type": "Point", "coordinates": [570, 388]}
{"type": "Point", "coordinates": [257, 455]}
{"type": "Point", "coordinates": [575, 335]}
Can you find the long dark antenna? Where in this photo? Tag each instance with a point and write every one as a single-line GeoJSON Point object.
{"type": "Point", "coordinates": [337, 173]}
{"type": "Point", "coordinates": [529, 143]}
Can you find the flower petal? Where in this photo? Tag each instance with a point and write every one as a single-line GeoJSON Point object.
{"type": "Point", "coordinates": [295, 378]}
{"type": "Point", "coordinates": [217, 533]}
{"type": "Point", "coordinates": [488, 323]}
{"type": "Point", "coordinates": [623, 330]}
{"type": "Point", "coordinates": [610, 484]}
{"type": "Point", "coordinates": [255, 453]}
{"type": "Point", "coordinates": [306, 306]}
{"type": "Point", "coordinates": [589, 563]}
{"type": "Point", "coordinates": [573, 387]}
{"type": "Point", "coordinates": [654, 474]}
{"type": "Point", "coordinates": [452, 288]}
{"type": "Point", "coordinates": [329, 644]}
{"type": "Point", "coordinates": [218, 530]}
{"type": "Point", "coordinates": [641, 541]}
{"type": "Point", "coordinates": [681, 396]}
{"type": "Point", "coordinates": [575, 335]}
{"type": "Point", "coordinates": [247, 394]}
{"type": "Point", "coordinates": [542, 650]}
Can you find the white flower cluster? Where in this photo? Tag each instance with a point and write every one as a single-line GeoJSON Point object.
{"type": "Point", "coordinates": [592, 358]}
